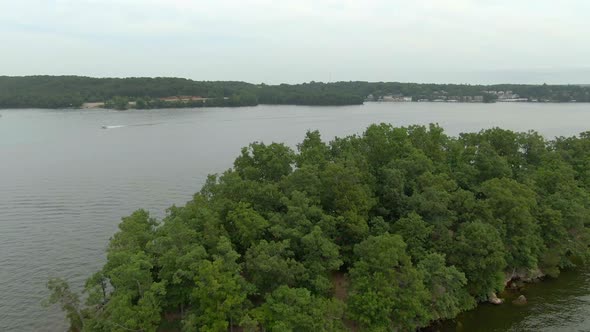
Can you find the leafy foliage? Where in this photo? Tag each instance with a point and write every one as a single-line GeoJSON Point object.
{"type": "Point", "coordinates": [384, 231]}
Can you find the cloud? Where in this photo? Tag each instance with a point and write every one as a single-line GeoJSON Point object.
{"type": "Point", "coordinates": [292, 40]}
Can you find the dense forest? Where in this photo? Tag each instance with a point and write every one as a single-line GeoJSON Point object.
{"type": "Point", "coordinates": [389, 230]}
{"type": "Point", "coordinates": [73, 91]}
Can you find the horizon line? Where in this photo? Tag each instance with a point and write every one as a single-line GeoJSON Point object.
{"type": "Point", "coordinates": [300, 83]}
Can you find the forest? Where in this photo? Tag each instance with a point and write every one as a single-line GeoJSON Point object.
{"type": "Point", "coordinates": [389, 230]}
{"type": "Point", "coordinates": [74, 91]}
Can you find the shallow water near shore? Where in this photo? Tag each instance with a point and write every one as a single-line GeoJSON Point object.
{"type": "Point", "coordinates": [65, 182]}
{"type": "Point", "coordinates": [553, 304]}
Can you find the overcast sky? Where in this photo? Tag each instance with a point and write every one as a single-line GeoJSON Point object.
{"type": "Point", "coordinates": [274, 41]}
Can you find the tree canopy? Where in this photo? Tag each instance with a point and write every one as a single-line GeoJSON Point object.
{"type": "Point", "coordinates": [384, 231]}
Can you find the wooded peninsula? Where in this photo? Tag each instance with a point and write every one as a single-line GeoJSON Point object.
{"type": "Point", "coordinates": [389, 230]}
{"type": "Point", "coordinates": [146, 93]}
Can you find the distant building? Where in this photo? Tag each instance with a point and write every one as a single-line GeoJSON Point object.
{"type": "Point", "coordinates": [396, 98]}
{"type": "Point", "coordinates": [509, 96]}
{"type": "Point", "coordinates": [182, 98]}
{"type": "Point", "coordinates": [512, 100]}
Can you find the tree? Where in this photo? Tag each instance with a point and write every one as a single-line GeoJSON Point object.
{"type": "Point", "coordinates": [178, 253]}
{"type": "Point", "coordinates": [271, 264]}
{"type": "Point", "coordinates": [125, 312]}
{"type": "Point", "coordinates": [320, 257]}
{"type": "Point", "coordinates": [312, 151]}
{"type": "Point", "coordinates": [387, 292]}
{"type": "Point", "coordinates": [478, 252]}
{"type": "Point", "coordinates": [446, 286]}
{"type": "Point", "coordinates": [246, 226]}
{"type": "Point", "coordinates": [512, 205]}
{"type": "Point", "coordinates": [415, 233]}
{"type": "Point", "coordinates": [118, 103]}
{"type": "Point", "coordinates": [219, 296]}
{"type": "Point", "coordinates": [383, 143]}
{"type": "Point", "coordinates": [296, 309]}
{"type": "Point", "coordinates": [68, 300]}
{"type": "Point", "coordinates": [134, 233]}
{"type": "Point", "coordinates": [262, 162]}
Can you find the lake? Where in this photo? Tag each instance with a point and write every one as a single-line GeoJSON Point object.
{"type": "Point", "coordinates": [65, 182]}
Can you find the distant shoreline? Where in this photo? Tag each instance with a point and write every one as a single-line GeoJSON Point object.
{"type": "Point", "coordinates": [148, 93]}
{"type": "Point", "coordinates": [100, 105]}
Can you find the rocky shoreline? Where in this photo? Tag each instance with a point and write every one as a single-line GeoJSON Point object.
{"type": "Point", "coordinates": [515, 282]}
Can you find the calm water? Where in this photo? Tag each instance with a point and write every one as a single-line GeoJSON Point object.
{"type": "Point", "coordinates": [65, 183]}
{"type": "Point", "coordinates": [554, 305]}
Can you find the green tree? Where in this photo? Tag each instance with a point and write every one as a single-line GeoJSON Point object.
{"type": "Point", "coordinates": [446, 285]}
{"type": "Point", "coordinates": [262, 162]}
{"type": "Point", "coordinates": [125, 312]}
{"type": "Point", "coordinates": [219, 296]}
{"type": "Point", "coordinates": [416, 234]}
{"type": "Point", "coordinates": [478, 252]}
{"type": "Point", "coordinates": [512, 205]}
{"type": "Point", "coordinates": [68, 301]}
{"type": "Point", "coordinates": [296, 309]}
{"type": "Point", "coordinates": [118, 103]}
{"type": "Point", "coordinates": [269, 265]}
{"type": "Point", "coordinates": [246, 226]}
{"type": "Point", "coordinates": [320, 257]}
{"type": "Point", "coordinates": [312, 151]}
{"type": "Point", "coordinates": [386, 291]}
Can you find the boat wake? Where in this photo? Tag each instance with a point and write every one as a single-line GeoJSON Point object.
{"type": "Point", "coordinates": [131, 125]}
{"type": "Point", "coordinates": [113, 127]}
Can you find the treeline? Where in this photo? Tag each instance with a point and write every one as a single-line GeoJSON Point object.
{"type": "Point", "coordinates": [123, 103]}
{"type": "Point", "coordinates": [386, 231]}
{"type": "Point", "coordinates": [73, 91]}
{"type": "Point", "coordinates": [544, 92]}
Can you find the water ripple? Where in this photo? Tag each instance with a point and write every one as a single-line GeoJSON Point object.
{"type": "Point", "coordinates": [65, 183]}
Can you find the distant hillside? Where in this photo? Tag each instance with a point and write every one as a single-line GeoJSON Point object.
{"type": "Point", "coordinates": [73, 91]}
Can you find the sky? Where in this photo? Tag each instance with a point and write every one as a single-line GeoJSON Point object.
{"type": "Point", "coordinates": [294, 41]}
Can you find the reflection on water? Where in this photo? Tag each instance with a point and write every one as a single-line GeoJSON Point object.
{"type": "Point", "coordinates": [561, 304]}
{"type": "Point", "coordinates": [65, 182]}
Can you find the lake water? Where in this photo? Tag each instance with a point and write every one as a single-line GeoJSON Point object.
{"type": "Point", "coordinates": [65, 183]}
{"type": "Point", "coordinates": [554, 305]}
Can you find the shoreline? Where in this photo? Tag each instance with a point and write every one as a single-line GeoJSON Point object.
{"type": "Point", "coordinates": [545, 291]}
{"type": "Point", "coordinates": [100, 105]}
